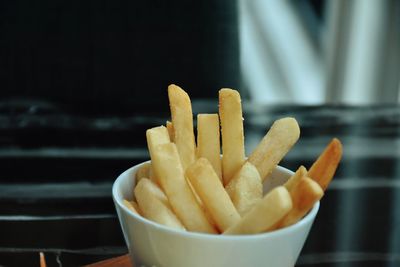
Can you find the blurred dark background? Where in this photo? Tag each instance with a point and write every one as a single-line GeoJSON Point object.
{"type": "Point", "coordinates": [116, 56]}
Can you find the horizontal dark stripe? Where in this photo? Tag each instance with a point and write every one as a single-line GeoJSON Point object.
{"type": "Point", "coordinates": [83, 206]}
{"type": "Point", "coordinates": [73, 233]}
{"type": "Point", "coordinates": [55, 217]}
{"type": "Point", "coordinates": [103, 190]}
{"type": "Point", "coordinates": [55, 190]}
{"type": "Point", "coordinates": [70, 153]}
{"type": "Point", "coordinates": [105, 250]}
{"type": "Point", "coordinates": [63, 170]}
{"type": "Point", "coordinates": [342, 257]}
{"type": "Point", "coordinates": [58, 256]}
{"type": "Point", "coordinates": [59, 170]}
{"type": "Point", "coordinates": [354, 148]}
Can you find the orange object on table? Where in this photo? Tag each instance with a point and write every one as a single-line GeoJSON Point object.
{"type": "Point", "coordinates": [121, 261]}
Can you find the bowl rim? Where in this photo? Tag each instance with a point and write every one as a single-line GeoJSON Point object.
{"type": "Point", "coordinates": [118, 200]}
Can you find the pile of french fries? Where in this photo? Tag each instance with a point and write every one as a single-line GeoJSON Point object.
{"type": "Point", "coordinates": [190, 187]}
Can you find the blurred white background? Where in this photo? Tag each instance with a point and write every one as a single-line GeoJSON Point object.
{"type": "Point", "coordinates": [316, 52]}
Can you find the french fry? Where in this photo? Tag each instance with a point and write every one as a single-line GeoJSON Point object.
{"type": "Point", "coordinates": [265, 214]}
{"type": "Point", "coordinates": [170, 128]}
{"type": "Point", "coordinates": [324, 168]}
{"type": "Point", "coordinates": [143, 172]}
{"type": "Point", "coordinates": [283, 134]}
{"type": "Point", "coordinates": [230, 112]}
{"type": "Point", "coordinates": [193, 188]}
{"type": "Point", "coordinates": [156, 136]}
{"type": "Point", "coordinates": [208, 144]}
{"type": "Point", "coordinates": [182, 120]}
{"type": "Point", "coordinates": [212, 193]}
{"type": "Point", "coordinates": [135, 205]}
{"type": "Point", "coordinates": [132, 206]}
{"type": "Point", "coordinates": [153, 189]}
{"type": "Point", "coordinates": [183, 202]}
{"type": "Point", "coordinates": [304, 195]}
{"type": "Point", "coordinates": [295, 178]}
{"type": "Point", "coordinates": [152, 207]}
{"type": "Point", "coordinates": [42, 260]}
{"type": "Point", "coordinates": [245, 189]}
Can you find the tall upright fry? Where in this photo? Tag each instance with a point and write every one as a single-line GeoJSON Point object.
{"type": "Point", "coordinates": [182, 121]}
{"type": "Point", "coordinates": [324, 168]}
{"type": "Point", "coordinates": [208, 144]}
{"type": "Point", "coordinates": [230, 112]}
{"type": "Point", "coordinates": [173, 182]}
{"type": "Point", "coordinates": [156, 136]}
{"type": "Point", "coordinates": [283, 134]}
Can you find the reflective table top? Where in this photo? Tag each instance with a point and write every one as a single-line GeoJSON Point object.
{"type": "Point", "coordinates": [58, 169]}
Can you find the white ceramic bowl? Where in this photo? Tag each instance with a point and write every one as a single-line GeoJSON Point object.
{"type": "Point", "coordinates": [151, 244]}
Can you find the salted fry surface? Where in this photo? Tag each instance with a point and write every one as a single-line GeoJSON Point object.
{"type": "Point", "coordinates": [182, 120]}
{"type": "Point", "coordinates": [208, 140]}
{"type": "Point", "coordinates": [212, 193]}
{"type": "Point", "coordinates": [280, 138]}
{"type": "Point", "coordinates": [304, 195]}
{"type": "Point", "coordinates": [295, 178]}
{"type": "Point", "coordinates": [246, 188]}
{"type": "Point", "coordinates": [230, 112]}
{"type": "Point", "coordinates": [154, 204]}
{"type": "Point", "coordinates": [265, 214]}
{"type": "Point", "coordinates": [166, 162]}
{"type": "Point", "coordinates": [156, 136]}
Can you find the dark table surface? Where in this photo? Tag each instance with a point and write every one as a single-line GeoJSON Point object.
{"type": "Point", "coordinates": [57, 170]}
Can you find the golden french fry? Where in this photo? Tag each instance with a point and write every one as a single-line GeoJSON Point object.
{"type": "Point", "coordinates": [182, 120]}
{"type": "Point", "coordinates": [143, 172]}
{"type": "Point", "coordinates": [183, 202]}
{"type": "Point", "coordinates": [324, 168]}
{"type": "Point", "coordinates": [148, 194]}
{"type": "Point", "coordinates": [170, 128]}
{"type": "Point", "coordinates": [208, 144]}
{"type": "Point", "coordinates": [265, 214]}
{"type": "Point", "coordinates": [42, 260]}
{"type": "Point", "coordinates": [245, 188]}
{"type": "Point", "coordinates": [230, 112]}
{"type": "Point", "coordinates": [304, 195]}
{"type": "Point", "coordinates": [295, 178]}
{"type": "Point", "coordinates": [132, 205]}
{"type": "Point", "coordinates": [156, 136]}
{"type": "Point", "coordinates": [212, 193]}
{"type": "Point", "coordinates": [153, 189]}
{"type": "Point", "coordinates": [275, 144]}
{"type": "Point", "coordinates": [152, 176]}
{"type": "Point", "coordinates": [135, 205]}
